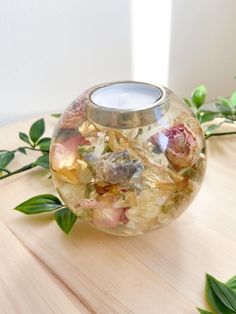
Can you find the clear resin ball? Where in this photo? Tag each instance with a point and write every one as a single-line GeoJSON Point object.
{"type": "Point", "coordinates": [128, 157]}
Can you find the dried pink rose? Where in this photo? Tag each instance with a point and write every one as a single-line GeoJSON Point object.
{"type": "Point", "coordinates": [182, 148]}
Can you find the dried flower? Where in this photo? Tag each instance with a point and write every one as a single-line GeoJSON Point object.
{"type": "Point", "coordinates": [63, 157]}
{"type": "Point", "coordinates": [105, 215]}
{"type": "Point", "coordinates": [109, 217]}
{"type": "Point", "coordinates": [182, 148]}
{"type": "Point", "coordinates": [74, 115]}
{"type": "Point", "coordinates": [118, 168]}
{"type": "Point", "coordinates": [64, 154]}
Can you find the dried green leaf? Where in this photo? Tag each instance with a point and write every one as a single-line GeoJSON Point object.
{"type": "Point", "coordinates": [24, 137]}
{"type": "Point", "coordinates": [43, 161]}
{"type": "Point", "coordinates": [39, 204]}
{"type": "Point", "coordinates": [65, 219]}
{"type": "Point", "coordinates": [199, 95]}
{"type": "Point", "coordinates": [44, 143]}
{"type": "Point", "coordinates": [37, 129]}
{"type": "Point", "coordinates": [5, 158]}
{"type": "Point", "coordinates": [221, 294]}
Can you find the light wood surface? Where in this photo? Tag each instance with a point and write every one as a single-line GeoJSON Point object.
{"type": "Point", "coordinates": [44, 271]}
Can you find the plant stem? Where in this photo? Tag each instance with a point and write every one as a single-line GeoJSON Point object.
{"type": "Point", "coordinates": [25, 147]}
{"type": "Point", "coordinates": [219, 134]}
{"type": "Point", "coordinates": [27, 167]}
{"type": "Point", "coordinates": [32, 148]}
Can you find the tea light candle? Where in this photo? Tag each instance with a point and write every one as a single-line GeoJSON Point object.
{"type": "Point", "coordinates": [127, 95]}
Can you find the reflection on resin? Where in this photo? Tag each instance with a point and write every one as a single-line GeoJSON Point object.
{"type": "Point", "coordinates": [127, 181]}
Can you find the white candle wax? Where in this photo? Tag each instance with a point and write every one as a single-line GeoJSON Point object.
{"type": "Point", "coordinates": [127, 95]}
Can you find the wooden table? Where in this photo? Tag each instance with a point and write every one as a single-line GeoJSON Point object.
{"type": "Point", "coordinates": [44, 271]}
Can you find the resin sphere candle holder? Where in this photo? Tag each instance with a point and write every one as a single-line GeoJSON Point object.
{"type": "Point", "coordinates": [127, 157]}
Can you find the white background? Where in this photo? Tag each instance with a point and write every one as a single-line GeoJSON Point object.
{"type": "Point", "coordinates": [203, 46]}
{"type": "Point", "coordinates": [184, 43]}
{"type": "Point", "coordinates": [50, 50]}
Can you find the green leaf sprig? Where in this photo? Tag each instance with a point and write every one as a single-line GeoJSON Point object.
{"type": "Point", "coordinates": [47, 203]}
{"type": "Point", "coordinates": [226, 109]}
{"type": "Point", "coordinates": [36, 142]}
{"type": "Point", "coordinates": [220, 296]}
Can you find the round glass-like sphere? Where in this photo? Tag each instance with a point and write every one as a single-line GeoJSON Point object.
{"type": "Point", "coordinates": [127, 157]}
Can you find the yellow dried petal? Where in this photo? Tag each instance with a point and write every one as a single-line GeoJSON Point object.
{"type": "Point", "coordinates": [68, 175]}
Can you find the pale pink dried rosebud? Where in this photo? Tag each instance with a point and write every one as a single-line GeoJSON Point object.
{"type": "Point", "coordinates": [64, 154]}
{"type": "Point", "coordinates": [106, 216]}
{"type": "Point", "coordinates": [74, 115]}
{"type": "Point", "coordinates": [182, 148]}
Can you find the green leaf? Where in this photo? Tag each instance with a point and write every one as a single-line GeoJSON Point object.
{"type": "Point", "coordinates": [39, 204]}
{"type": "Point", "coordinates": [207, 116]}
{"type": "Point", "coordinates": [215, 303]}
{"type": "Point", "coordinates": [44, 143]}
{"type": "Point", "coordinates": [22, 150]}
{"type": "Point", "coordinates": [4, 170]}
{"type": "Point", "coordinates": [65, 219]}
{"type": "Point", "coordinates": [37, 129]}
{"type": "Point", "coordinates": [198, 115]}
{"type": "Point", "coordinates": [56, 115]}
{"type": "Point", "coordinates": [228, 120]}
{"type": "Point", "coordinates": [222, 292]}
{"type": "Point", "coordinates": [232, 284]}
{"type": "Point", "coordinates": [188, 102]}
{"type": "Point", "coordinates": [199, 95]}
{"type": "Point", "coordinates": [203, 311]}
{"type": "Point", "coordinates": [233, 99]}
{"type": "Point", "coordinates": [224, 101]}
{"type": "Point", "coordinates": [212, 128]}
{"type": "Point", "coordinates": [43, 161]}
{"type": "Point", "coordinates": [24, 137]}
{"type": "Point", "coordinates": [223, 105]}
{"type": "Point", "coordinates": [5, 158]}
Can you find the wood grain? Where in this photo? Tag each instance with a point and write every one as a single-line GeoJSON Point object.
{"type": "Point", "coordinates": [25, 285]}
{"type": "Point", "coordinates": [159, 272]}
